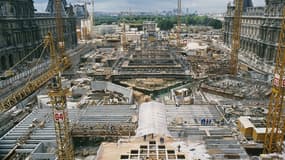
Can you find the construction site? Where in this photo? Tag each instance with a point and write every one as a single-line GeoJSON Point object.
{"type": "Point", "coordinates": [135, 92]}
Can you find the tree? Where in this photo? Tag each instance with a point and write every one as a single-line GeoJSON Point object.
{"type": "Point", "coordinates": [164, 22]}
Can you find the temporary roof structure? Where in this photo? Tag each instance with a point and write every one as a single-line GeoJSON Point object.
{"type": "Point", "coordinates": [152, 119]}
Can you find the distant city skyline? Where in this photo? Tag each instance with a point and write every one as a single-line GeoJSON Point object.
{"type": "Point", "coordinates": [201, 6]}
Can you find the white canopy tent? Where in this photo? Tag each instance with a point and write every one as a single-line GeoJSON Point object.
{"type": "Point", "coordinates": [152, 119]}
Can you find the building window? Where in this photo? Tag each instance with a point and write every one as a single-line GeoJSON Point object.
{"type": "Point", "coordinates": [12, 10]}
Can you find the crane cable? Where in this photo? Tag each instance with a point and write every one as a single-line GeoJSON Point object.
{"type": "Point", "coordinates": [27, 56]}
{"type": "Point", "coordinates": [30, 77]}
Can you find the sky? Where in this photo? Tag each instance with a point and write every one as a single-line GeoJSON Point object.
{"type": "Point", "coordinates": [202, 6]}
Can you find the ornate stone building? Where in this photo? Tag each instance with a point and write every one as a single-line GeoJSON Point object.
{"type": "Point", "coordinates": [19, 33]}
{"type": "Point", "coordinates": [259, 33]}
{"type": "Point", "coordinates": [22, 30]}
{"type": "Point", "coordinates": [83, 21]}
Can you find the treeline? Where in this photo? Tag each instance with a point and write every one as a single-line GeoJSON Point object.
{"type": "Point", "coordinates": [168, 22]}
{"type": "Point", "coordinates": [105, 20]}
{"type": "Point", "coordinates": [164, 22]}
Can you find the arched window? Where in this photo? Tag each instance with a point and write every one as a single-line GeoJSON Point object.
{"type": "Point", "coordinates": [1, 9]}
{"type": "Point", "coordinates": [3, 63]}
{"type": "Point", "coordinates": [11, 60]}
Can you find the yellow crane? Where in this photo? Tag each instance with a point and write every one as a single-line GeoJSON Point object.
{"type": "Point", "coordinates": [236, 36]}
{"type": "Point", "coordinates": [32, 85]}
{"type": "Point", "coordinates": [179, 12]}
{"type": "Point", "coordinates": [124, 37]}
{"type": "Point", "coordinates": [124, 41]}
{"type": "Point", "coordinates": [55, 67]}
{"type": "Point", "coordinates": [92, 14]}
{"type": "Point", "coordinates": [275, 120]}
{"type": "Point", "coordinates": [58, 95]}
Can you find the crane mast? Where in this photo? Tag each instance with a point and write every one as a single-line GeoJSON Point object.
{"type": "Point", "coordinates": [92, 14]}
{"type": "Point", "coordinates": [58, 96]}
{"type": "Point", "coordinates": [236, 37]}
{"type": "Point", "coordinates": [178, 38]}
{"type": "Point", "coordinates": [124, 37]}
{"type": "Point", "coordinates": [32, 85]}
{"type": "Point", "coordinates": [275, 120]}
{"type": "Point", "coordinates": [59, 27]}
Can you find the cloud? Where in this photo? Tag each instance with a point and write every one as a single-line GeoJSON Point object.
{"type": "Point", "coordinates": [153, 5]}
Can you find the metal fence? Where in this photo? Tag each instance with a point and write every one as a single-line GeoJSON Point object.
{"type": "Point", "coordinates": [35, 71]}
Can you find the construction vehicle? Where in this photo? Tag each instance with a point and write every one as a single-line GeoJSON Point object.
{"type": "Point", "coordinates": [9, 73]}
{"type": "Point", "coordinates": [236, 37]}
{"type": "Point", "coordinates": [275, 120]}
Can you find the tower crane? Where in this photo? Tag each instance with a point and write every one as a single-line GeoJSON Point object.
{"type": "Point", "coordinates": [92, 14]}
{"type": "Point", "coordinates": [179, 12]}
{"type": "Point", "coordinates": [32, 84]}
{"type": "Point", "coordinates": [236, 37]}
{"type": "Point", "coordinates": [47, 43]}
{"type": "Point", "coordinates": [275, 120]}
{"type": "Point", "coordinates": [58, 96]}
{"type": "Point", "coordinates": [124, 37]}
